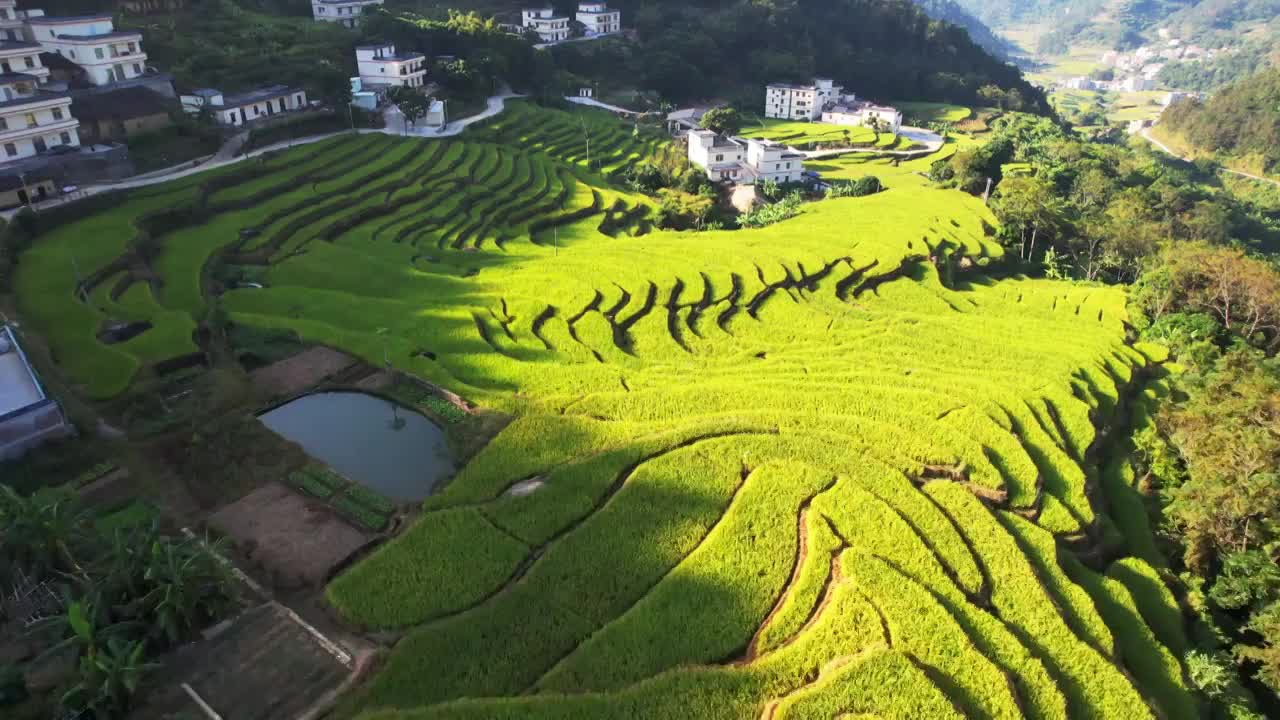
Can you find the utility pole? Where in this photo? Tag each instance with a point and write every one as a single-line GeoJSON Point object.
{"type": "Point", "coordinates": [986, 194]}
{"type": "Point", "coordinates": [557, 240]}
{"type": "Point", "coordinates": [351, 115]}
{"type": "Point", "coordinates": [587, 135]}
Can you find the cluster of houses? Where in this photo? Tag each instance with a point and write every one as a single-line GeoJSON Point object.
{"type": "Point", "coordinates": [1137, 70]}
{"type": "Point", "coordinates": [824, 101]}
{"type": "Point", "coordinates": [748, 161]}
{"type": "Point", "coordinates": [597, 20]}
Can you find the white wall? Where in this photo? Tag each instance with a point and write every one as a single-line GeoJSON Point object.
{"type": "Point", "coordinates": [259, 110]}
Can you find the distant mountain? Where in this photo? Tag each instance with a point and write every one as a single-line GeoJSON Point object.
{"type": "Point", "coordinates": [954, 13]}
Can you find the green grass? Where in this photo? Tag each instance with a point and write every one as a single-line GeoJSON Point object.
{"type": "Point", "coordinates": [791, 132]}
{"type": "Point", "coordinates": [749, 463]}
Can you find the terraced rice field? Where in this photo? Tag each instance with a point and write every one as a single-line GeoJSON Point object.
{"type": "Point", "coordinates": [804, 133]}
{"type": "Point", "coordinates": [893, 172]}
{"type": "Point", "coordinates": [811, 470]}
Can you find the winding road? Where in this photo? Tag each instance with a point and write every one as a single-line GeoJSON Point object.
{"type": "Point", "coordinates": [1146, 135]}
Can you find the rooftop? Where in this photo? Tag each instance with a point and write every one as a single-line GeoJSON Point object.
{"type": "Point", "coordinates": [258, 95]}
{"type": "Point", "coordinates": [19, 388]}
{"type": "Point", "coordinates": [16, 77]}
{"type": "Point", "coordinates": [55, 20]}
{"type": "Point", "coordinates": [118, 35]}
{"type": "Point", "coordinates": [122, 104]}
{"type": "Point", "coordinates": [38, 97]}
{"type": "Point", "coordinates": [18, 45]}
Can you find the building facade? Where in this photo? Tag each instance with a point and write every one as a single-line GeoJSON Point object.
{"type": "Point", "coordinates": [33, 121]}
{"type": "Point", "coordinates": [786, 101]}
{"type": "Point", "coordinates": [244, 108]}
{"type": "Point", "coordinates": [864, 114]}
{"type": "Point", "coordinates": [91, 42]}
{"type": "Point", "coordinates": [381, 67]}
{"type": "Point", "coordinates": [13, 22]}
{"type": "Point", "coordinates": [28, 416]}
{"type": "Point", "coordinates": [599, 19]}
{"type": "Point", "coordinates": [345, 12]}
{"type": "Point", "coordinates": [544, 21]}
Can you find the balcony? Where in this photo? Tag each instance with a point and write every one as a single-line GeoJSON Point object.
{"type": "Point", "coordinates": [55, 126]}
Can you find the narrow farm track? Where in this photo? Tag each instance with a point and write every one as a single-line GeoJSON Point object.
{"type": "Point", "coordinates": [828, 466]}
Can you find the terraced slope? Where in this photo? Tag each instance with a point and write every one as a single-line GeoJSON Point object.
{"type": "Point", "coordinates": [147, 259]}
{"type": "Point", "coordinates": [811, 470]}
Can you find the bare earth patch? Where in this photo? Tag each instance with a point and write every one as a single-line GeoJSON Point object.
{"type": "Point", "coordinates": [296, 540]}
{"type": "Point", "coordinates": [300, 372]}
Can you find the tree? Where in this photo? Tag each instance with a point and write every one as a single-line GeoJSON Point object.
{"type": "Point", "coordinates": [413, 104]}
{"type": "Point", "coordinates": [1228, 433]}
{"type": "Point", "coordinates": [1028, 205]}
{"type": "Point", "coordinates": [722, 120]}
{"type": "Point", "coordinates": [876, 125]}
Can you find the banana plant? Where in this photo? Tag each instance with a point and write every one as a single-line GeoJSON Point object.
{"type": "Point", "coordinates": [187, 588]}
{"type": "Point", "coordinates": [108, 679]}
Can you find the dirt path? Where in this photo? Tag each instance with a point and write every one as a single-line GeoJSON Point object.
{"type": "Point", "coordinates": [1146, 134]}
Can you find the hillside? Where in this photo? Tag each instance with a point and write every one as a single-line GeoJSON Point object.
{"type": "Point", "coordinates": [1240, 124]}
{"type": "Point", "coordinates": [878, 48]}
{"type": "Point", "coordinates": [954, 13]}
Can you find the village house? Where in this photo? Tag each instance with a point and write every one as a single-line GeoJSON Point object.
{"type": "Point", "coordinates": [31, 120]}
{"type": "Point", "coordinates": [544, 21]}
{"type": "Point", "coordinates": [236, 110]}
{"type": "Point", "coordinates": [91, 42]}
{"type": "Point", "coordinates": [120, 115]}
{"type": "Point", "coordinates": [381, 67]}
{"type": "Point", "coordinates": [28, 416]}
{"type": "Point", "coordinates": [852, 111]}
{"type": "Point", "coordinates": [1171, 98]}
{"type": "Point", "coordinates": [599, 19]}
{"type": "Point", "coordinates": [743, 162]}
{"type": "Point", "coordinates": [345, 12]}
{"type": "Point", "coordinates": [786, 101]}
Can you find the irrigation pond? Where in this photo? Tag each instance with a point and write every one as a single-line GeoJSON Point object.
{"type": "Point", "coordinates": [393, 451]}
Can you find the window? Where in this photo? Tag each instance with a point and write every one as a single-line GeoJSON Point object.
{"type": "Point", "coordinates": [719, 158]}
{"type": "Point", "coordinates": [4, 124]}
{"type": "Point", "coordinates": [66, 138]}
{"type": "Point", "coordinates": [57, 113]}
{"type": "Point", "coordinates": [97, 52]}
{"type": "Point", "coordinates": [40, 145]}
{"type": "Point", "coordinates": [255, 111]}
{"type": "Point", "coordinates": [31, 119]}
{"type": "Point", "coordinates": [10, 149]}
{"type": "Point", "coordinates": [133, 47]}
{"type": "Point", "coordinates": [30, 61]}
{"type": "Point", "coordinates": [73, 53]}
{"type": "Point", "coordinates": [5, 66]}
{"type": "Point", "coordinates": [137, 68]}
{"type": "Point", "coordinates": [788, 166]}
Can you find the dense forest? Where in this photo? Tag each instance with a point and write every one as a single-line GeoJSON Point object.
{"type": "Point", "coordinates": [879, 48]}
{"type": "Point", "coordinates": [1241, 122]}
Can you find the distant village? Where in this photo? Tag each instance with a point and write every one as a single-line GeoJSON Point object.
{"type": "Point", "coordinates": [76, 89]}
{"type": "Point", "coordinates": [1136, 71]}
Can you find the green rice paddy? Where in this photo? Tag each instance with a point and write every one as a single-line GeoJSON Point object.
{"type": "Point", "coordinates": [813, 470]}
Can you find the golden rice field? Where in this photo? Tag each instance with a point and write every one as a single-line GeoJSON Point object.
{"type": "Point", "coordinates": [839, 466]}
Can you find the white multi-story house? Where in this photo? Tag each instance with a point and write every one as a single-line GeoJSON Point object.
{"type": "Point", "coordinates": [31, 120]}
{"type": "Point", "coordinates": [545, 22]}
{"type": "Point", "coordinates": [599, 19]}
{"type": "Point", "coordinates": [786, 101]}
{"type": "Point", "coordinates": [246, 107]}
{"type": "Point", "coordinates": [381, 67]}
{"type": "Point", "coordinates": [13, 22]}
{"type": "Point", "coordinates": [346, 12]}
{"type": "Point", "coordinates": [91, 42]}
{"type": "Point", "coordinates": [22, 57]}
{"type": "Point", "coordinates": [857, 113]}
{"type": "Point", "coordinates": [744, 162]}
